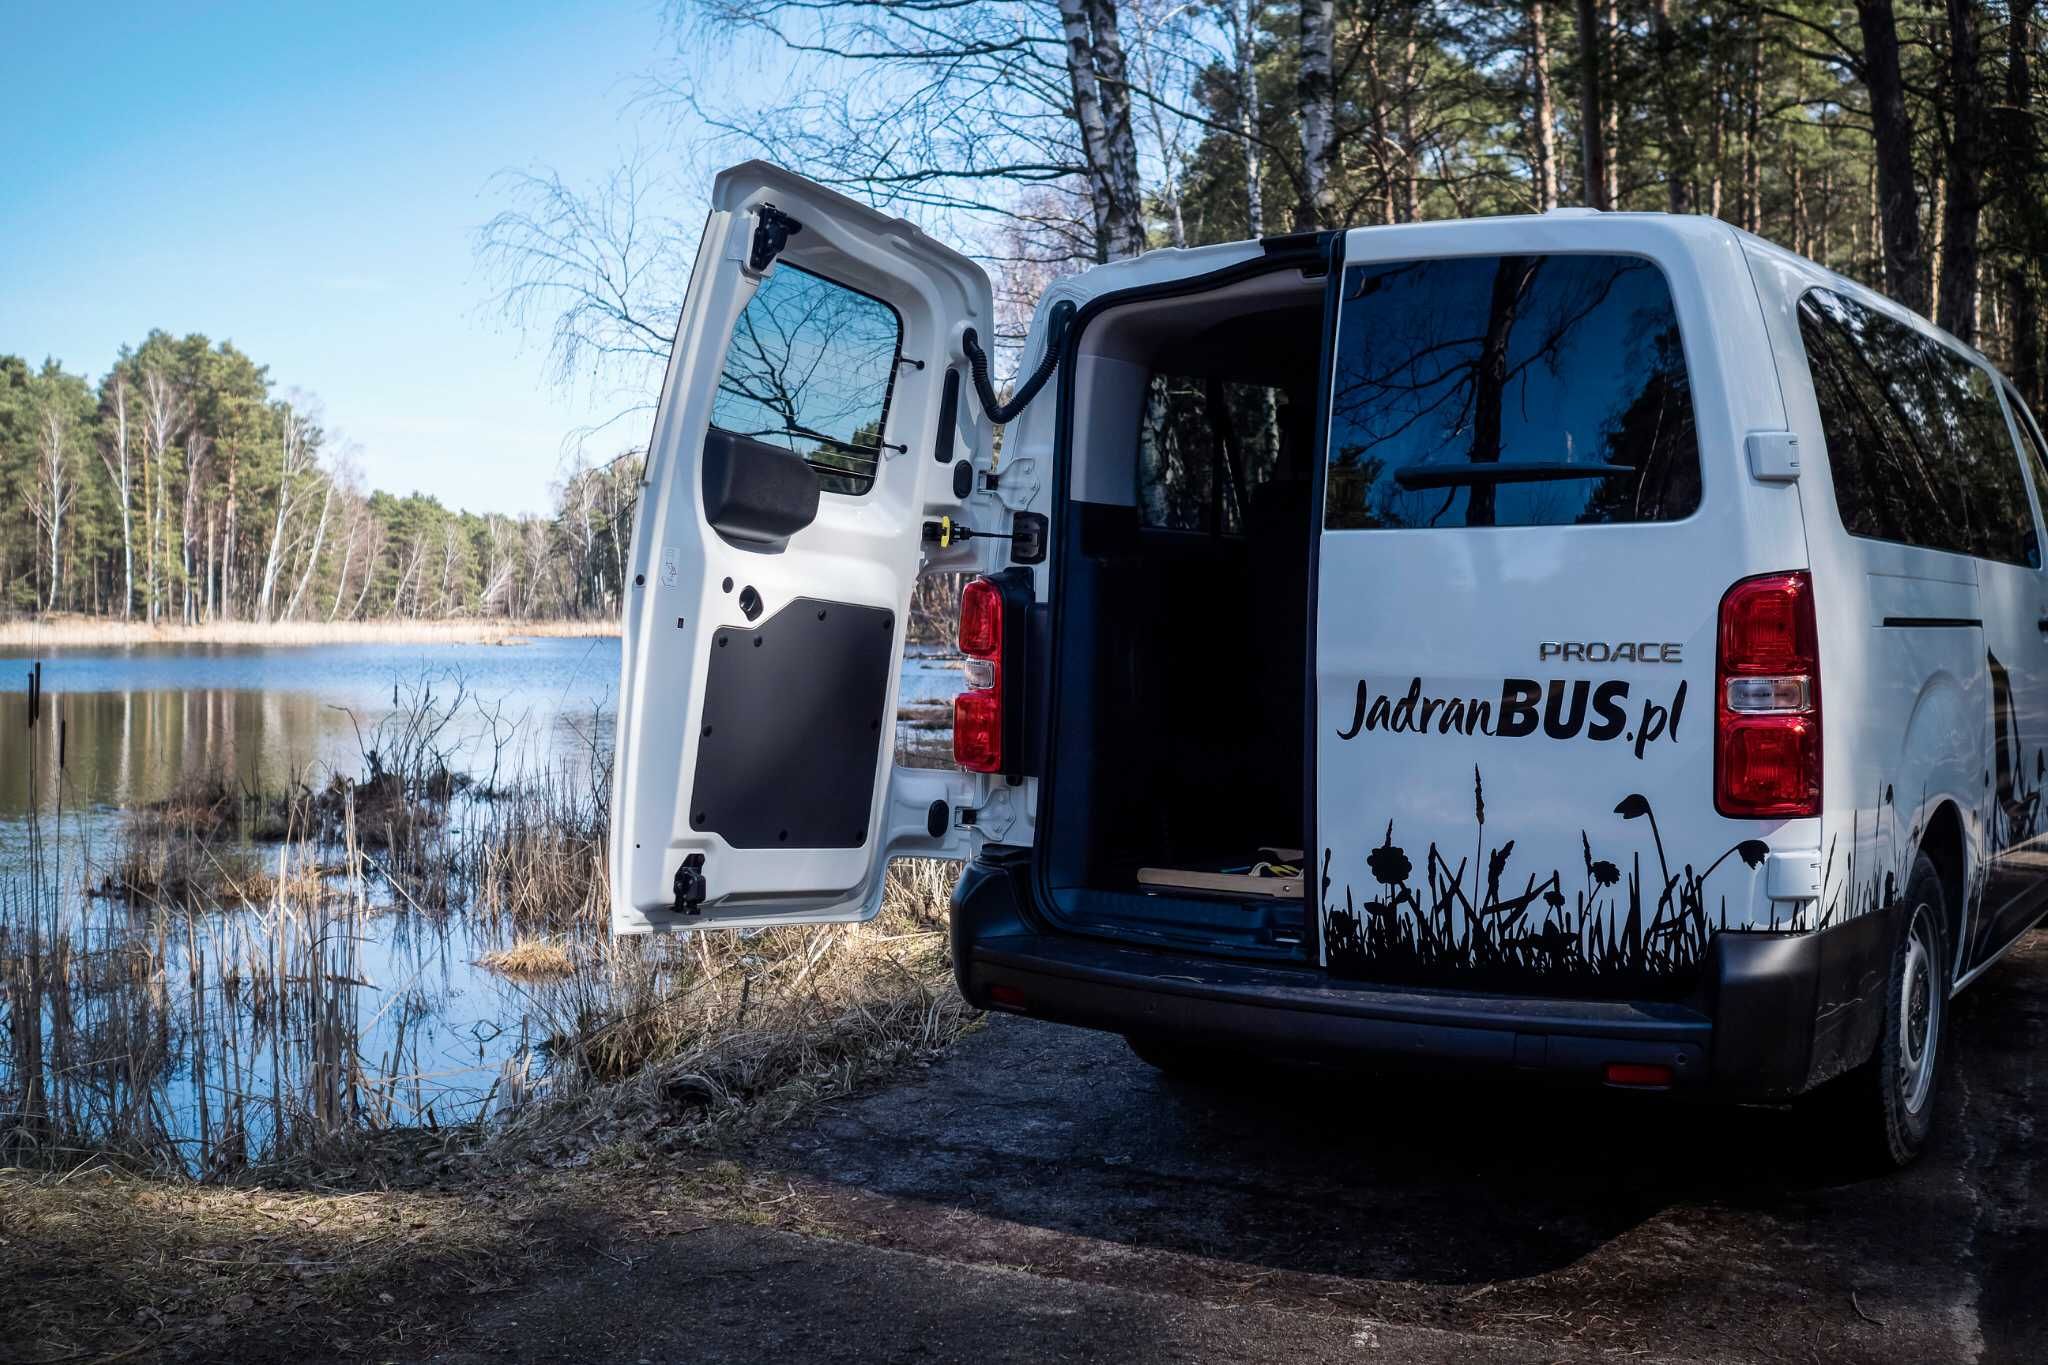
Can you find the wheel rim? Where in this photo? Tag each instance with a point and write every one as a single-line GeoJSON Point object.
{"type": "Point", "coordinates": [1920, 1006]}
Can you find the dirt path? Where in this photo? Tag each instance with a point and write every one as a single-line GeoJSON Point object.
{"type": "Point", "coordinates": [1039, 1194]}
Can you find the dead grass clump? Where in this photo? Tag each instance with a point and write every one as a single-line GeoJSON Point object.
{"type": "Point", "coordinates": [693, 1041]}
{"type": "Point", "coordinates": [197, 847]}
{"type": "Point", "coordinates": [530, 957]}
{"type": "Point", "coordinates": [540, 864]}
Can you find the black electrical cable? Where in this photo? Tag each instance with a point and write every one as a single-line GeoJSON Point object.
{"type": "Point", "coordinates": [977, 363]}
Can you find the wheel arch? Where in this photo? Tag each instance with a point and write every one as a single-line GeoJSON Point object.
{"type": "Point", "coordinates": [1946, 845]}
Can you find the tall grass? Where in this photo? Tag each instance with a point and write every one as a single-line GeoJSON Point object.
{"type": "Point", "coordinates": [199, 996]}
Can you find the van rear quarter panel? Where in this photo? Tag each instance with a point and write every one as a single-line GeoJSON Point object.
{"type": "Point", "coordinates": [1905, 692]}
{"type": "Point", "coordinates": [1424, 831]}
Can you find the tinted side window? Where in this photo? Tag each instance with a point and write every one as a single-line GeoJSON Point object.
{"type": "Point", "coordinates": [2030, 442]}
{"type": "Point", "coordinates": [1205, 443]}
{"type": "Point", "coordinates": [1510, 391]}
{"type": "Point", "coordinates": [810, 367]}
{"type": "Point", "coordinates": [1917, 441]}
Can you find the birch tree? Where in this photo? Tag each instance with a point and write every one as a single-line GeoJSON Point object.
{"type": "Point", "coordinates": [165, 410]}
{"type": "Point", "coordinates": [297, 438]}
{"type": "Point", "coordinates": [1315, 98]}
{"type": "Point", "coordinates": [114, 458]}
{"type": "Point", "coordinates": [55, 487]}
{"type": "Point", "coordinates": [1244, 19]}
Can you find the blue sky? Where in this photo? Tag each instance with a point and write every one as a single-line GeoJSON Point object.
{"type": "Point", "coordinates": [307, 183]}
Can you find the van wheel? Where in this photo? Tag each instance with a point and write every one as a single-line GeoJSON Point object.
{"type": "Point", "coordinates": [1183, 1061]}
{"type": "Point", "coordinates": [1888, 1102]}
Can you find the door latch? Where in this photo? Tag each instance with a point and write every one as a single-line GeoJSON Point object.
{"type": "Point", "coordinates": [689, 885]}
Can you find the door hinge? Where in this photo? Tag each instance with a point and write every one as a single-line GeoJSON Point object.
{"type": "Point", "coordinates": [689, 886]}
{"type": "Point", "coordinates": [772, 230]}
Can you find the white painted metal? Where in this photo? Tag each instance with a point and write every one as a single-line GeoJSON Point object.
{"type": "Point", "coordinates": [1619, 823]}
{"type": "Point", "coordinates": [862, 550]}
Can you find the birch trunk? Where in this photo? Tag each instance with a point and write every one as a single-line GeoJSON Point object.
{"type": "Point", "coordinates": [1127, 190]}
{"type": "Point", "coordinates": [124, 492]}
{"type": "Point", "coordinates": [54, 492]}
{"type": "Point", "coordinates": [1244, 15]}
{"type": "Point", "coordinates": [1102, 112]}
{"type": "Point", "coordinates": [312, 555]}
{"type": "Point", "coordinates": [1315, 100]}
{"type": "Point", "coordinates": [294, 451]}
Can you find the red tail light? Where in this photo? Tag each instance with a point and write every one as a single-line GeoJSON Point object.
{"type": "Point", "coordinates": [978, 712]}
{"type": "Point", "coordinates": [1767, 702]}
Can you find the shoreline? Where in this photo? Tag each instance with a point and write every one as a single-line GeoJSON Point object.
{"type": "Point", "coordinates": [91, 632]}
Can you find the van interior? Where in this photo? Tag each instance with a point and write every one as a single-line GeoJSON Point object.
{"type": "Point", "coordinates": [1180, 782]}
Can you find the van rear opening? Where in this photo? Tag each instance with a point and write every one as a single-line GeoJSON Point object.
{"type": "Point", "coordinates": [1178, 789]}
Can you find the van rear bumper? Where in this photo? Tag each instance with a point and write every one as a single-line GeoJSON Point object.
{"type": "Point", "coordinates": [1775, 1015]}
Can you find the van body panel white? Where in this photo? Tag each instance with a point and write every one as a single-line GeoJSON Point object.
{"type": "Point", "coordinates": [1913, 643]}
{"type": "Point", "coordinates": [690, 584]}
{"type": "Point", "coordinates": [1556, 857]}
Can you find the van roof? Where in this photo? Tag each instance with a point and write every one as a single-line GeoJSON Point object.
{"type": "Point", "coordinates": [1166, 263]}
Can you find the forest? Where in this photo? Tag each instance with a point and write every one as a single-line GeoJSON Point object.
{"type": "Point", "coordinates": [181, 487]}
{"type": "Point", "coordinates": [1898, 142]}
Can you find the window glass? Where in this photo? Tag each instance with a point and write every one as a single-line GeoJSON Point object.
{"type": "Point", "coordinates": [1204, 445]}
{"type": "Point", "coordinates": [2030, 441]}
{"type": "Point", "coordinates": [1917, 441]}
{"type": "Point", "coordinates": [1510, 391]}
{"type": "Point", "coordinates": [810, 368]}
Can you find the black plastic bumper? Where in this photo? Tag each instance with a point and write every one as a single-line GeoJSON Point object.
{"type": "Point", "coordinates": [1775, 1015]}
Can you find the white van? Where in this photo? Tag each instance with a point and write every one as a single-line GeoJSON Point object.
{"type": "Point", "coordinates": [1598, 645]}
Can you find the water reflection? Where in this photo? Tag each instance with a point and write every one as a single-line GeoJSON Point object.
{"type": "Point", "coordinates": [136, 746]}
{"type": "Point", "coordinates": [206, 1037]}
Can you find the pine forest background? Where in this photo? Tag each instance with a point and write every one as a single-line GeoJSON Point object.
{"type": "Point", "coordinates": [1900, 144]}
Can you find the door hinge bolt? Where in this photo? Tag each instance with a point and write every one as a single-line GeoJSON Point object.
{"type": "Point", "coordinates": [772, 230]}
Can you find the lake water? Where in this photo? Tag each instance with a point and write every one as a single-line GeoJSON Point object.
{"type": "Point", "coordinates": [396, 986]}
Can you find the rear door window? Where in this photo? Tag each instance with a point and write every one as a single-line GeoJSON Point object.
{"type": "Point", "coordinates": [1510, 391]}
{"type": "Point", "coordinates": [810, 368]}
{"type": "Point", "coordinates": [1917, 442]}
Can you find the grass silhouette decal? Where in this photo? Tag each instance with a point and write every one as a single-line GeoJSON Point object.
{"type": "Point", "coordinates": [1469, 923]}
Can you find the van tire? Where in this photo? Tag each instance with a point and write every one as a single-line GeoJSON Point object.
{"type": "Point", "coordinates": [1885, 1107]}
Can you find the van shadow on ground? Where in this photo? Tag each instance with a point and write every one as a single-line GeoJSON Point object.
{"type": "Point", "coordinates": [1474, 1205]}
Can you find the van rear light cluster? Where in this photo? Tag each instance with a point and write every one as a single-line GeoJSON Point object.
{"type": "Point", "coordinates": [978, 712]}
{"type": "Point", "coordinates": [1767, 700]}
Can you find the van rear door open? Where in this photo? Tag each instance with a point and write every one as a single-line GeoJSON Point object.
{"type": "Point", "coordinates": [1535, 499]}
{"type": "Point", "coordinates": [810, 425]}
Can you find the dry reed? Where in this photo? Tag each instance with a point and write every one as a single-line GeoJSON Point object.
{"type": "Point", "coordinates": [530, 957]}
